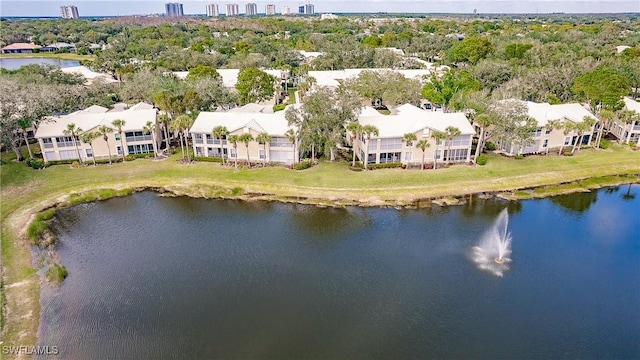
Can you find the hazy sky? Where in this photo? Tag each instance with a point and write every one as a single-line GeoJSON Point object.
{"type": "Point", "coordinates": [118, 7]}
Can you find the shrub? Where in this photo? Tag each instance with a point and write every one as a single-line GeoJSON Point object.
{"type": "Point", "coordinates": [304, 164]}
{"type": "Point", "coordinates": [482, 159]}
{"type": "Point", "coordinates": [279, 107]}
{"type": "Point", "coordinates": [57, 162]}
{"type": "Point", "coordinates": [35, 163]}
{"type": "Point", "coordinates": [75, 164]}
{"type": "Point", "coordinates": [216, 159]}
{"type": "Point", "coordinates": [56, 273]}
{"type": "Point", "coordinates": [384, 166]}
{"type": "Point", "coordinates": [132, 157]}
{"type": "Point", "coordinates": [489, 146]}
{"type": "Point", "coordinates": [567, 153]}
{"type": "Point", "coordinates": [36, 229]}
{"type": "Point", "coordinates": [113, 160]}
{"type": "Point", "coordinates": [605, 144]}
{"type": "Point", "coordinates": [519, 157]}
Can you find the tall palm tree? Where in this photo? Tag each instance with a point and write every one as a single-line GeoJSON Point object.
{"type": "Point", "coordinates": [355, 129]}
{"type": "Point", "coordinates": [220, 132]}
{"type": "Point", "coordinates": [628, 117]}
{"type": "Point", "coordinates": [73, 131]}
{"type": "Point", "coordinates": [553, 125]}
{"type": "Point", "coordinates": [150, 128]}
{"type": "Point", "coordinates": [176, 126]}
{"type": "Point", "coordinates": [292, 136]}
{"type": "Point", "coordinates": [246, 138]}
{"type": "Point", "coordinates": [605, 116]}
{"type": "Point", "coordinates": [438, 136]}
{"type": "Point", "coordinates": [582, 127]}
{"type": "Point", "coordinates": [452, 133]}
{"type": "Point", "coordinates": [264, 139]}
{"type": "Point", "coordinates": [118, 124]}
{"type": "Point", "coordinates": [88, 138]}
{"type": "Point", "coordinates": [233, 140]}
{"type": "Point", "coordinates": [423, 145]}
{"type": "Point", "coordinates": [408, 140]}
{"type": "Point", "coordinates": [104, 131]}
{"type": "Point", "coordinates": [368, 130]}
{"type": "Point", "coordinates": [483, 121]}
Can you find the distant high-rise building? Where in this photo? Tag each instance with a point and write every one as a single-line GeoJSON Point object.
{"type": "Point", "coordinates": [309, 9]}
{"type": "Point", "coordinates": [270, 9]}
{"type": "Point", "coordinates": [301, 10]}
{"type": "Point", "coordinates": [212, 10]}
{"type": "Point", "coordinates": [233, 9]}
{"type": "Point", "coordinates": [251, 9]}
{"type": "Point", "coordinates": [69, 12]}
{"type": "Point", "coordinates": [285, 10]}
{"type": "Point", "coordinates": [173, 9]}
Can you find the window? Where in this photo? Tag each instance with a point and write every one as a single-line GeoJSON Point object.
{"type": "Point", "coordinates": [387, 144]}
{"type": "Point", "coordinates": [132, 136]}
{"type": "Point", "coordinates": [456, 155]}
{"type": "Point", "coordinates": [89, 153]}
{"type": "Point", "coordinates": [119, 150]}
{"type": "Point", "coordinates": [68, 154]}
{"type": "Point", "coordinates": [279, 141]}
{"type": "Point", "coordinates": [233, 153]}
{"type": "Point", "coordinates": [547, 131]}
{"type": "Point", "coordinates": [47, 143]}
{"type": "Point", "coordinates": [198, 138]}
{"type": "Point", "coordinates": [373, 144]}
{"type": "Point", "coordinates": [262, 154]}
{"type": "Point", "coordinates": [390, 157]}
{"type": "Point", "coordinates": [199, 151]}
{"type": "Point", "coordinates": [538, 133]}
{"type": "Point", "coordinates": [462, 140]}
{"type": "Point", "coordinates": [140, 148]}
{"type": "Point", "coordinates": [425, 132]}
{"type": "Point", "coordinates": [438, 154]}
{"type": "Point", "coordinates": [407, 156]}
{"type": "Point", "coordinates": [117, 136]}
{"type": "Point", "coordinates": [567, 140]}
{"type": "Point", "coordinates": [545, 143]}
{"type": "Point", "coordinates": [49, 155]}
{"type": "Point", "coordinates": [65, 141]}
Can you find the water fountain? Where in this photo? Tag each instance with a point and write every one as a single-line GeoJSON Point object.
{"type": "Point", "coordinates": [494, 250]}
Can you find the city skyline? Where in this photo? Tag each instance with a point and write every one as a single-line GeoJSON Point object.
{"type": "Point", "coordinates": [35, 8]}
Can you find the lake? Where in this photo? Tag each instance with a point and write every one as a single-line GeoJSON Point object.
{"type": "Point", "coordinates": [156, 277]}
{"type": "Point", "coordinates": [16, 63]}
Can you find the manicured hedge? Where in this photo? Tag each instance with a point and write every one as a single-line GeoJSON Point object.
{"type": "Point", "coordinates": [215, 159]}
{"type": "Point", "coordinates": [482, 159]}
{"type": "Point", "coordinates": [304, 164]}
{"type": "Point", "coordinates": [385, 166]}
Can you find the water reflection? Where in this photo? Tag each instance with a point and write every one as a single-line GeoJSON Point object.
{"type": "Point", "coordinates": [576, 202]}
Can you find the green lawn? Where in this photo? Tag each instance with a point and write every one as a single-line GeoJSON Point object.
{"type": "Point", "coordinates": [25, 191]}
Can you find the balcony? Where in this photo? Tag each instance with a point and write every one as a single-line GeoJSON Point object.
{"type": "Point", "coordinates": [138, 138]}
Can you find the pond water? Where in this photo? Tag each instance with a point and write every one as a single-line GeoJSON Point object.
{"type": "Point", "coordinates": [155, 277]}
{"type": "Point", "coordinates": [16, 63]}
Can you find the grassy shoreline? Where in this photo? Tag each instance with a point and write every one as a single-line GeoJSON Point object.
{"type": "Point", "coordinates": [25, 192]}
{"type": "Point", "coordinates": [62, 56]}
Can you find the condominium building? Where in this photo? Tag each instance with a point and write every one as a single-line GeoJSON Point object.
{"type": "Point", "coordinates": [270, 9]}
{"type": "Point", "coordinates": [309, 9]}
{"type": "Point", "coordinates": [233, 9]}
{"type": "Point", "coordinates": [251, 9]}
{"type": "Point", "coordinates": [173, 9]}
{"type": "Point", "coordinates": [286, 10]}
{"type": "Point", "coordinates": [69, 12]}
{"type": "Point", "coordinates": [301, 10]}
{"type": "Point", "coordinates": [212, 10]}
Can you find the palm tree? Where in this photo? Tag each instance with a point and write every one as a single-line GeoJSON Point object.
{"type": "Point", "coordinates": [368, 130]}
{"type": "Point", "coordinates": [233, 139]}
{"type": "Point", "coordinates": [452, 133]}
{"type": "Point", "coordinates": [181, 125]}
{"type": "Point", "coordinates": [264, 139]}
{"type": "Point", "coordinates": [553, 125]}
{"type": "Point", "coordinates": [582, 127]}
{"type": "Point", "coordinates": [628, 117]}
{"type": "Point", "coordinates": [73, 131]}
{"type": "Point", "coordinates": [246, 138]}
{"type": "Point", "coordinates": [605, 116]}
{"type": "Point", "coordinates": [104, 131]}
{"type": "Point", "coordinates": [483, 121]}
{"type": "Point", "coordinates": [292, 136]}
{"type": "Point", "coordinates": [150, 128]}
{"type": "Point", "coordinates": [220, 132]}
{"type": "Point", "coordinates": [119, 124]}
{"type": "Point", "coordinates": [567, 127]}
{"type": "Point", "coordinates": [355, 129]}
{"type": "Point", "coordinates": [423, 145]}
{"type": "Point", "coordinates": [88, 138]}
{"type": "Point", "coordinates": [408, 140]}
{"type": "Point", "coordinates": [438, 136]}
